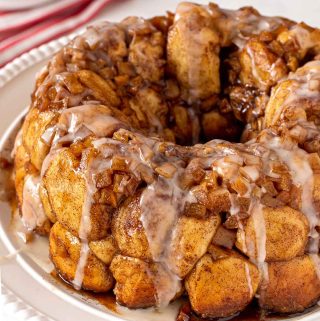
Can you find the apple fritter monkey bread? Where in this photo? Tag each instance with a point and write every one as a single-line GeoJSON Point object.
{"type": "Point", "coordinates": [179, 155]}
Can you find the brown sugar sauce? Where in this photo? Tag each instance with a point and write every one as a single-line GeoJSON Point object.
{"type": "Point", "coordinates": [107, 300]}
{"type": "Point", "coordinates": [251, 313]}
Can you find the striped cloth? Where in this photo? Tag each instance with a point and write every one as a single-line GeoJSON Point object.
{"type": "Point", "coordinates": [23, 30]}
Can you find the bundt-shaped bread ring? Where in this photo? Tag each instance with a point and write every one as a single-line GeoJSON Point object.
{"type": "Point", "coordinates": [121, 160]}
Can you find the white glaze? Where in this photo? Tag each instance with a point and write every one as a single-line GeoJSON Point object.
{"type": "Point", "coordinates": [78, 123]}
{"type": "Point", "coordinates": [80, 271]}
{"type": "Point", "coordinates": [85, 225]}
{"type": "Point", "coordinates": [298, 89]}
{"type": "Point", "coordinates": [302, 36]}
{"type": "Point", "coordinates": [236, 25]}
{"type": "Point", "coordinates": [234, 210]}
{"type": "Point", "coordinates": [251, 172]}
{"type": "Point", "coordinates": [316, 261]}
{"type": "Point", "coordinates": [195, 126]}
{"type": "Point", "coordinates": [158, 214]}
{"type": "Point", "coordinates": [235, 207]}
{"type": "Point", "coordinates": [33, 214]}
{"type": "Point", "coordinates": [161, 203]}
{"type": "Point", "coordinates": [196, 43]}
{"type": "Point", "coordinates": [81, 121]}
{"type": "Point", "coordinates": [256, 212]}
{"type": "Point", "coordinates": [302, 175]}
{"type": "Point", "coordinates": [48, 135]}
{"type": "Point", "coordinates": [264, 270]}
{"type": "Point", "coordinates": [49, 158]}
{"type": "Point", "coordinates": [254, 68]}
{"type": "Point", "coordinates": [249, 280]}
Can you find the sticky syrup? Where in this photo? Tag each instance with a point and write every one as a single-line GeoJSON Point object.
{"type": "Point", "coordinates": [251, 313]}
{"type": "Point", "coordinates": [108, 300]}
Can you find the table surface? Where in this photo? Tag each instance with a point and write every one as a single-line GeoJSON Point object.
{"type": "Point", "coordinates": [299, 10]}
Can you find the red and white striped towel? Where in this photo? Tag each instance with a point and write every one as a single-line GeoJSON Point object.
{"type": "Point", "coordinates": [23, 30]}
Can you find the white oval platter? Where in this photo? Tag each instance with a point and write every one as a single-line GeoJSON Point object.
{"type": "Point", "coordinates": [28, 292]}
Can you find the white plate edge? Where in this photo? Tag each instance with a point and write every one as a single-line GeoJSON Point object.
{"type": "Point", "coordinates": [30, 58]}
